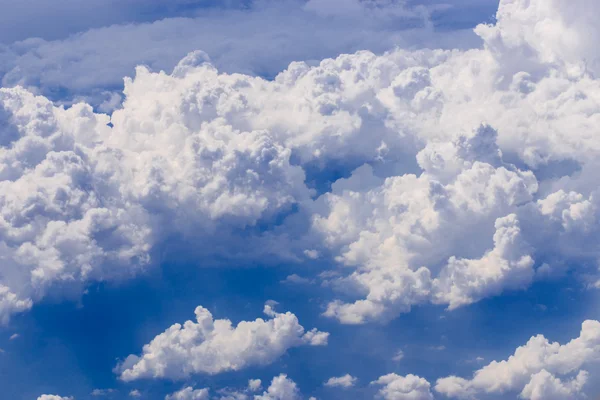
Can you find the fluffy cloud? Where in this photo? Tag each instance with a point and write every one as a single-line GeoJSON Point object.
{"type": "Point", "coordinates": [391, 231]}
{"type": "Point", "coordinates": [281, 388]}
{"type": "Point", "coordinates": [546, 32]}
{"type": "Point", "coordinates": [189, 393]}
{"type": "Point", "coordinates": [210, 346]}
{"type": "Point", "coordinates": [471, 176]}
{"type": "Point", "coordinates": [507, 266]}
{"type": "Point", "coordinates": [409, 387]}
{"type": "Point", "coordinates": [81, 200]}
{"type": "Point", "coordinates": [53, 397]}
{"type": "Point", "coordinates": [544, 385]}
{"type": "Point", "coordinates": [534, 370]}
{"type": "Point", "coordinates": [345, 381]}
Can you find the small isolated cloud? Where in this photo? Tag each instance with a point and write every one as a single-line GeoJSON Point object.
{"type": "Point", "coordinates": [102, 392]}
{"type": "Point", "coordinates": [346, 381]}
{"type": "Point", "coordinates": [135, 393]}
{"type": "Point", "coordinates": [296, 279]}
{"type": "Point", "coordinates": [14, 336]}
{"type": "Point", "coordinates": [539, 370]}
{"type": "Point", "coordinates": [254, 385]}
{"type": "Point", "coordinates": [54, 397]}
{"type": "Point", "coordinates": [398, 356]}
{"type": "Point", "coordinates": [281, 388]}
{"type": "Point", "coordinates": [189, 393]}
{"type": "Point", "coordinates": [210, 346]}
{"type": "Point", "coordinates": [409, 387]}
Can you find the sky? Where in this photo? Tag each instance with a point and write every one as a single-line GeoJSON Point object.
{"type": "Point", "coordinates": [299, 199]}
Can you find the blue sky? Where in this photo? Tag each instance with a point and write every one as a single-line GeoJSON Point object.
{"type": "Point", "coordinates": [415, 180]}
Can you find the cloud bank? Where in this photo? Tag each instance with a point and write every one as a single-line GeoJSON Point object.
{"type": "Point", "coordinates": [254, 37]}
{"type": "Point", "coordinates": [465, 173]}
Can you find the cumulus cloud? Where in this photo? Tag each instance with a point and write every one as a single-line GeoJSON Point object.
{"type": "Point", "coordinates": [472, 174]}
{"type": "Point", "coordinates": [391, 231]}
{"type": "Point", "coordinates": [538, 370]}
{"type": "Point", "coordinates": [409, 387]}
{"type": "Point", "coordinates": [210, 346]}
{"type": "Point", "coordinates": [53, 397]}
{"type": "Point", "coordinates": [189, 393]}
{"type": "Point", "coordinates": [345, 381]}
{"type": "Point", "coordinates": [281, 388]}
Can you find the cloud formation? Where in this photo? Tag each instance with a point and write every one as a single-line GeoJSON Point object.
{"type": "Point", "coordinates": [473, 173]}
{"type": "Point", "coordinates": [83, 65]}
{"type": "Point", "coordinates": [53, 397]}
{"type": "Point", "coordinates": [409, 387]}
{"type": "Point", "coordinates": [345, 381]}
{"type": "Point", "coordinates": [210, 346]}
{"type": "Point", "coordinates": [281, 388]}
{"type": "Point", "coordinates": [538, 370]}
{"type": "Point", "coordinates": [189, 393]}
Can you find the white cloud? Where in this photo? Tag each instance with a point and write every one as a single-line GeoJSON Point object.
{"type": "Point", "coordinates": [53, 397]}
{"type": "Point", "coordinates": [262, 39]}
{"type": "Point", "coordinates": [398, 356]}
{"type": "Point", "coordinates": [391, 231]}
{"type": "Point", "coordinates": [534, 369]}
{"type": "Point", "coordinates": [409, 387]}
{"type": "Point", "coordinates": [296, 279]}
{"type": "Point", "coordinates": [435, 210]}
{"type": "Point", "coordinates": [189, 393]}
{"type": "Point", "coordinates": [102, 392]}
{"type": "Point", "coordinates": [545, 31]}
{"type": "Point", "coordinates": [345, 381]}
{"type": "Point", "coordinates": [507, 266]}
{"type": "Point", "coordinates": [254, 385]}
{"type": "Point", "coordinates": [281, 388]}
{"type": "Point", "coordinates": [211, 346]}
{"type": "Point", "coordinates": [545, 386]}
{"type": "Point", "coordinates": [135, 393]}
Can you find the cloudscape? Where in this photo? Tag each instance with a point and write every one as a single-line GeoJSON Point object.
{"type": "Point", "coordinates": [299, 199]}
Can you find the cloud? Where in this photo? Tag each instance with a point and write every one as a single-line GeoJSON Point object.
{"type": "Point", "coordinates": [211, 346]}
{"type": "Point", "coordinates": [11, 304]}
{"type": "Point", "coordinates": [544, 385]}
{"type": "Point", "coordinates": [53, 397]}
{"type": "Point", "coordinates": [281, 388]}
{"type": "Point", "coordinates": [74, 209]}
{"type": "Point", "coordinates": [189, 393]}
{"type": "Point", "coordinates": [534, 369]}
{"type": "Point", "coordinates": [345, 381]}
{"type": "Point", "coordinates": [254, 385]}
{"type": "Point", "coordinates": [472, 176]}
{"type": "Point", "coordinates": [545, 32]}
{"type": "Point", "coordinates": [261, 38]}
{"type": "Point", "coordinates": [391, 231]}
{"type": "Point", "coordinates": [398, 356]}
{"type": "Point", "coordinates": [28, 18]}
{"type": "Point", "coordinates": [102, 392]}
{"type": "Point", "coordinates": [507, 266]}
{"type": "Point", "coordinates": [409, 387]}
